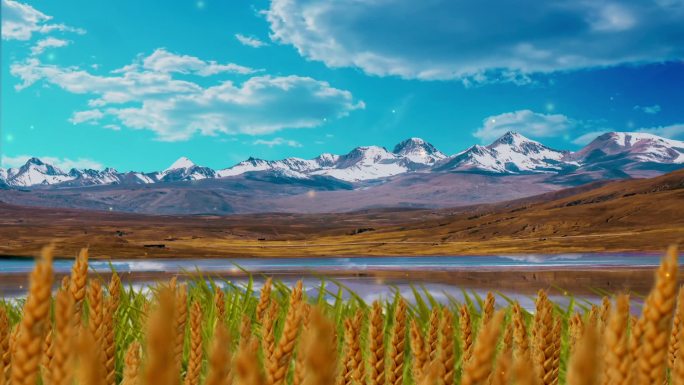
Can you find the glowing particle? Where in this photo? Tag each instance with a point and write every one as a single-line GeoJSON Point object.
{"type": "Point", "coordinates": [201, 4]}
{"type": "Point", "coordinates": [9, 138]}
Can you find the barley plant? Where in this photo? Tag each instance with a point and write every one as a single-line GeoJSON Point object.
{"type": "Point", "coordinates": [92, 332]}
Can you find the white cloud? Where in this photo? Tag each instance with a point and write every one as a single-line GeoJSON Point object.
{"type": "Point", "coordinates": [652, 110]}
{"type": "Point", "coordinates": [164, 61]}
{"type": "Point", "coordinates": [478, 40]}
{"type": "Point", "coordinates": [148, 97]}
{"type": "Point", "coordinates": [48, 42]}
{"type": "Point", "coordinates": [277, 142]}
{"type": "Point", "coordinates": [20, 21]}
{"type": "Point", "coordinates": [65, 164]}
{"type": "Point", "coordinates": [250, 41]}
{"type": "Point", "coordinates": [92, 116]}
{"type": "Point", "coordinates": [526, 122]}
{"type": "Point", "coordinates": [674, 131]}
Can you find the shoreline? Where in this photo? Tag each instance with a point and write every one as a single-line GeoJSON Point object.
{"type": "Point", "coordinates": [524, 280]}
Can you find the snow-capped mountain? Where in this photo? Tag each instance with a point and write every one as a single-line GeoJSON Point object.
{"type": "Point", "coordinates": [35, 172]}
{"type": "Point", "coordinates": [510, 154]}
{"type": "Point", "coordinates": [621, 153]}
{"type": "Point", "coordinates": [418, 151]}
{"type": "Point", "coordinates": [633, 146]}
{"type": "Point", "coordinates": [184, 169]}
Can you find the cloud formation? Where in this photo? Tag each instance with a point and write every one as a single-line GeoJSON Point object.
{"type": "Point", "coordinates": [65, 164]}
{"type": "Point", "coordinates": [48, 42]}
{"type": "Point", "coordinates": [526, 122]}
{"type": "Point", "coordinates": [277, 142]}
{"type": "Point", "coordinates": [164, 61]}
{"type": "Point", "coordinates": [651, 110]}
{"type": "Point", "coordinates": [250, 41]}
{"type": "Point", "coordinates": [20, 21]}
{"type": "Point", "coordinates": [146, 96]}
{"type": "Point", "coordinates": [673, 131]}
{"type": "Point", "coordinates": [479, 40]}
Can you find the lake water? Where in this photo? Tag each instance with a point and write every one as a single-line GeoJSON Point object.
{"type": "Point", "coordinates": [289, 270]}
{"type": "Point", "coordinates": [268, 265]}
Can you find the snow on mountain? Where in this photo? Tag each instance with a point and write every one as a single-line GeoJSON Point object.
{"type": "Point", "coordinates": [181, 163]}
{"type": "Point", "coordinates": [35, 172]}
{"type": "Point", "coordinates": [634, 146]}
{"type": "Point", "coordinates": [288, 167]}
{"type": "Point", "coordinates": [184, 169]}
{"type": "Point", "coordinates": [418, 151]}
{"type": "Point", "coordinates": [512, 154]}
{"type": "Point", "coordinates": [366, 163]}
{"type": "Point", "coordinates": [90, 177]}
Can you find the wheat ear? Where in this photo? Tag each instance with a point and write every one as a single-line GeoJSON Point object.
{"type": "Point", "coordinates": [95, 309]}
{"type": "Point", "coordinates": [180, 322]}
{"type": "Point", "coordinates": [488, 309]}
{"type": "Point", "coordinates": [78, 284]}
{"type": "Point", "coordinates": [618, 362]}
{"type": "Point", "coordinates": [219, 357]}
{"type": "Point", "coordinates": [90, 370]}
{"type": "Point", "coordinates": [466, 325]}
{"type": "Point", "coordinates": [279, 362]}
{"type": "Point", "coordinates": [583, 368]}
{"type": "Point", "coordinates": [131, 372]}
{"type": "Point", "coordinates": [48, 352]}
{"type": "Point", "coordinates": [109, 340]}
{"type": "Point", "coordinates": [677, 373]}
{"type": "Point", "coordinates": [658, 310]}
{"type": "Point", "coordinates": [299, 366]}
{"type": "Point", "coordinates": [447, 354]}
{"type": "Point", "coordinates": [160, 365]}
{"type": "Point", "coordinates": [246, 367]}
{"type": "Point", "coordinates": [545, 341]}
{"type": "Point", "coordinates": [395, 373]}
{"type": "Point", "coordinates": [220, 304]}
{"type": "Point", "coordinates": [27, 349]}
{"type": "Point", "coordinates": [420, 354]}
{"type": "Point", "coordinates": [432, 338]}
{"type": "Point", "coordinates": [5, 353]}
{"type": "Point", "coordinates": [264, 300]}
{"type": "Point", "coordinates": [676, 327]}
{"type": "Point", "coordinates": [479, 368]}
{"type": "Point", "coordinates": [502, 369]}
{"type": "Point", "coordinates": [319, 350]}
{"type": "Point", "coordinates": [192, 375]}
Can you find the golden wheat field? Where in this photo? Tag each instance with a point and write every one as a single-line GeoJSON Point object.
{"type": "Point", "coordinates": [102, 333]}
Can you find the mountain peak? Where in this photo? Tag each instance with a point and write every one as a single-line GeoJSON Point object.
{"type": "Point", "coordinates": [512, 138]}
{"type": "Point", "coordinates": [181, 163]}
{"type": "Point", "coordinates": [418, 150]}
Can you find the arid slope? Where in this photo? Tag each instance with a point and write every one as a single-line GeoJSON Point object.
{"type": "Point", "coordinates": [636, 215]}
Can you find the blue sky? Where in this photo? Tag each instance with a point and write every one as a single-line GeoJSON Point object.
{"type": "Point", "coordinates": [136, 84]}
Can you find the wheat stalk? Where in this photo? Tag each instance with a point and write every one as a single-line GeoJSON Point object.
{"type": "Point", "coordinates": [27, 348]}
{"type": "Point", "coordinates": [192, 375]}
{"type": "Point", "coordinates": [658, 309]}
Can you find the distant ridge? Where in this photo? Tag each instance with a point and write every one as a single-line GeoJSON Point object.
{"type": "Point", "coordinates": [614, 153]}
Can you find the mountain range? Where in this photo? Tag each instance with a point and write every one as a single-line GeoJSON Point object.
{"type": "Point", "coordinates": [414, 173]}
